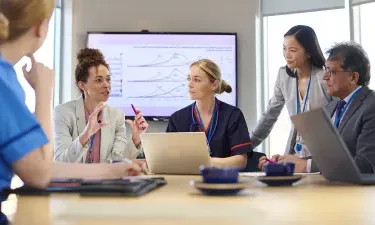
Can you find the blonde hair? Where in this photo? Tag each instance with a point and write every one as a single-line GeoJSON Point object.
{"type": "Point", "coordinates": [18, 16]}
{"type": "Point", "coordinates": [214, 73]}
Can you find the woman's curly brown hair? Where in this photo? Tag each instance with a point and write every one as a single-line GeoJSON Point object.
{"type": "Point", "coordinates": [87, 58]}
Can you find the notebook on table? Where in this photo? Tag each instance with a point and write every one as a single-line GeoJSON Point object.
{"type": "Point", "coordinates": [130, 186]}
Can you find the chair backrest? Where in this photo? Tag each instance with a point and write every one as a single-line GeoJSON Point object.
{"type": "Point", "coordinates": [253, 161]}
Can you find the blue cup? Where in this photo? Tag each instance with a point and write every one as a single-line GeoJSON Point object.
{"type": "Point", "coordinates": [289, 169]}
{"type": "Point", "coordinates": [279, 169]}
{"type": "Point", "coordinates": [219, 175]}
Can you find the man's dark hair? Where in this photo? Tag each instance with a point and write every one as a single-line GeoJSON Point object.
{"type": "Point", "coordinates": [353, 58]}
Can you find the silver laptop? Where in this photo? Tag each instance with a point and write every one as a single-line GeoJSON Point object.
{"type": "Point", "coordinates": [327, 148]}
{"type": "Point", "coordinates": [175, 153]}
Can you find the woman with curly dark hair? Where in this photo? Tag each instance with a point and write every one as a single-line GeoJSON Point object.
{"type": "Point", "coordinates": [86, 130]}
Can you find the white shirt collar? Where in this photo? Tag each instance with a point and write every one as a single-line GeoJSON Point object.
{"type": "Point", "coordinates": [351, 94]}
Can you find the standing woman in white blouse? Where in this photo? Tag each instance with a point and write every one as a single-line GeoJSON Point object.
{"type": "Point", "coordinates": [300, 87]}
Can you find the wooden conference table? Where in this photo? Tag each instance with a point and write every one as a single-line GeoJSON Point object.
{"type": "Point", "coordinates": [312, 201]}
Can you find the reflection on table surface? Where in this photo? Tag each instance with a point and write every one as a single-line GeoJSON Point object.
{"type": "Point", "coordinates": [313, 200]}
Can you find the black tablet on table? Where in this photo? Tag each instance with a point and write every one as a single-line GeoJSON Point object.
{"type": "Point", "coordinates": [129, 186]}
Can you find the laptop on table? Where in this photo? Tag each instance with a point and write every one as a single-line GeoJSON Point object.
{"type": "Point", "coordinates": [327, 148]}
{"type": "Point", "coordinates": [175, 153]}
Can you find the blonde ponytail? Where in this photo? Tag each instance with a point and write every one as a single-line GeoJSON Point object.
{"type": "Point", "coordinates": [223, 87]}
{"type": "Point", "coordinates": [18, 16]}
{"type": "Point", "coordinates": [214, 74]}
{"type": "Point", "coordinates": [4, 28]}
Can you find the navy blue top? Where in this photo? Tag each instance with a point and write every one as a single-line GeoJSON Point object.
{"type": "Point", "coordinates": [230, 135]}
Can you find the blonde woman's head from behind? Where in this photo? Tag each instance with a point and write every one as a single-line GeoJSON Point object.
{"type": "Point", "coordinates": [25, 20]}
{"type": "Point", "coordinates": [205, 80]}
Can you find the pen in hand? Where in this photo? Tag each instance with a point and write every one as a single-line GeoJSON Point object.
{"type": "Point", "coordinates": [135, 111]}
{"type": "Point", "coordinates": [270, 161]}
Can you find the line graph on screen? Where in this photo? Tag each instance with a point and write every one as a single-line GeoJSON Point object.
{"type": "Point", "coordinates": [160, 91]}
{"type": "Point", "coordinates": [174, 75]}
{"type": "Point", "coordinates": [175, 60]}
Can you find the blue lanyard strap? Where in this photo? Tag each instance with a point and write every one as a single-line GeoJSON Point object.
{"type": "Point", "coordinates": [298, 146]}
{"type": "Point", "coordinates": [209, 134]}
{"type": "Point", "coordinates": [92, 141]}
{"type": "Point", "coordinates": [89, 159]}
{"type": "Point", "coordinates": [340, 113]}
{"type": "Point", "coordinates": [306, 97]}
{"type": "Point", "coordinates": [213, 122]}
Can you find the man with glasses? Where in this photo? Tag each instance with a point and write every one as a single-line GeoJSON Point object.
{"type": "Point", "coordinates": [347, 75]}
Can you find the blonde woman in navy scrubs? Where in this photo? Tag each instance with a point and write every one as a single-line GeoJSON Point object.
{"type": "Point", "coordinates": [300, 87]}
{"type": "Point", "coordinates": [225, 126]}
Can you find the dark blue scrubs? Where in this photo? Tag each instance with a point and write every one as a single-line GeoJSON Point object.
{"type": "Point", "coordinates": [230, 135]}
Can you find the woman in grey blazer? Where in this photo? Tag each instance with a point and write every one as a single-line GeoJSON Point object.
{"type": "Point", "coordinates": [299, 86]}
{"type": "Point", "coordinates": [78, 135]}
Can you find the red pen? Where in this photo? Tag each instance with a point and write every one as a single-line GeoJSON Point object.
{"type": "Point", "coordinates": [135, 111]}
{"type": "Point", "coordinates": [270, 161]}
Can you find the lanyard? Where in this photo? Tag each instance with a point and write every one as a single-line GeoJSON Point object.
{"type": "Point", "coordinates": [92, 141]}
{"type": "Point", "coordinates": [298, 146]}
{"type": "Point", "coordinates": [306, 97]}
{"type": "Point", "coordinates": [213, 122]}
{"type": "Point", "coordinates": [340, 114]}
{"type": "Point", "coordinates": [90, 159]}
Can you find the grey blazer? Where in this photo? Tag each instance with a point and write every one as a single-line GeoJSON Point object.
{"type": "Point", "coordinates": [285, 93]}
{"type": "Point", "coordinates": [69, 122]}
{"type": "Point", "coordinates": [357, 129]}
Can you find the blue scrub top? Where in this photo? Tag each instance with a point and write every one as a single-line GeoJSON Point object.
{"type": "Point", "coordinates": [20, 132]}
{"type": "Point", "coordinates": [231, 136]}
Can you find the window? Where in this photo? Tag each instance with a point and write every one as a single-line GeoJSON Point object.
{"type": "Point", "coordinates": [365, 32]}
{"type": "Point", "coordinates": [45, 55]}
{"type": "Point", "coordinates": [330, 26]}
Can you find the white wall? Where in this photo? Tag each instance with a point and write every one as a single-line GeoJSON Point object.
{"type": "Point", "coordinates": [166, 15]}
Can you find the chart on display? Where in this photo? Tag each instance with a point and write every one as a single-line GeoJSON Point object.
{"type": "Point", "coordinates": [150, 70]}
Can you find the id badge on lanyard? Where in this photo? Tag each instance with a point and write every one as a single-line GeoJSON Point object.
{"type": "Point", "coordinates": [299, 146]}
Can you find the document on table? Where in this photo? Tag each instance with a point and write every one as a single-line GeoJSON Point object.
{"type": "Point", "coordinates": [257, 174]}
